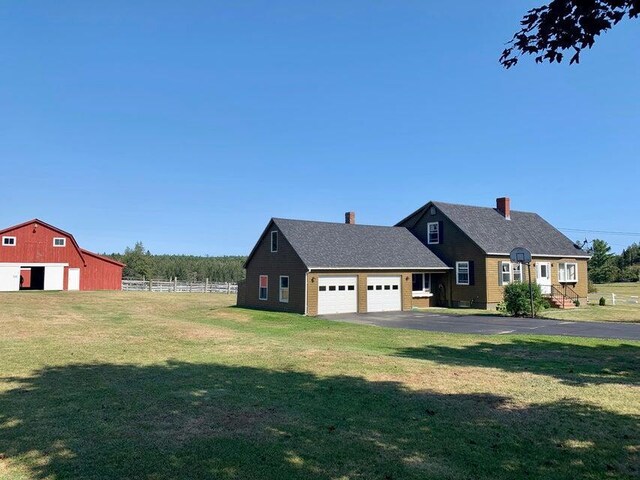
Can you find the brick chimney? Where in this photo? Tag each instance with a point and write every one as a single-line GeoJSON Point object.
{"type": "Point", "coordinates": [350, 218]}
{"type": "Point", "coordinates": [503, 205]}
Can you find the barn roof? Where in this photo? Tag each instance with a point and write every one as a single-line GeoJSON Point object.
{"type": "Point", "coordinates": [328, 245]}
{"type": "Point", "coordinates": [51, 227]}
{"type": "Point", "coordinates": [81, 251]}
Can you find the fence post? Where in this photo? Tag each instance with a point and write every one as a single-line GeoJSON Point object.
{"type": "Point", "coordinates": [206, 285]}
{"type": "Point", "coordinates": [228, 288]}
{"type": "Point", "coordinates": [613, 299]}
{"type": "Point", "coordinates": [150, 285]}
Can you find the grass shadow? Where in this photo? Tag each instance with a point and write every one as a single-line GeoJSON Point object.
{"type": "Point", "coordinates": [209, 421]}
{"type": "Point", "coordinates": [572, 363]}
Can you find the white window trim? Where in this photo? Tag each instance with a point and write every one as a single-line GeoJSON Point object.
{"type": "Point", "coordinates": [281, 288]}
{"type": "Point", "coordinates": [260, 288]}
{"type": "Point", "coordinates": [277, 241]}
{"type": "Point", "coordinates": [513, 273]}
{"type": "Point", "coordinates": [458, 282]}
{"type": "Point", "coordinates": [564, 268]}
{"type": "Point", "coordinates": [502, 273]}
{"type": "Point", "coordinates": [425, 292]}
{"type": "Point", "coordinates": [64, 242]}
{"type": "Point", "coordinates": [437, 224]}
{"type": "Point", "coordinates": [15, 241]}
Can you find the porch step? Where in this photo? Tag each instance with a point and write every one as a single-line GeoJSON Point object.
{"type": "Point", "coordinates": [561, 302]}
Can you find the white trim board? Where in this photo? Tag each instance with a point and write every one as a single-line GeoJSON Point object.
{"type": "Point", "coordinates": [397, 269]}
{"type": "Point", "coordinates": [542, 255]}
{"type": "Point", "coordinates": [31, 264]}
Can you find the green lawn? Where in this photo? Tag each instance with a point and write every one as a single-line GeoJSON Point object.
{"type": "Point", "coordinates": [158, 386]}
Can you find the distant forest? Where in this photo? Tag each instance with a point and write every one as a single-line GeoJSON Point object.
{"type": "Point", "coordinates": [605, 266]}
{"type": "Point", "coordinates": [140, 263]}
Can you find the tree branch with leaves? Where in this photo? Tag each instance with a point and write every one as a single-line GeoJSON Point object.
{"type": "Point", "coordinates": [565, 25]}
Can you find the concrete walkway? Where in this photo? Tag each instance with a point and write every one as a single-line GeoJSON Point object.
{"type": "Point", "coordinates": [491, 325]}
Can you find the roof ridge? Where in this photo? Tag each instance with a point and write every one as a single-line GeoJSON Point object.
{"type": "Point", "coordinates": [275, 219]}
{"type": "Point", "coordinates": [435, 202]}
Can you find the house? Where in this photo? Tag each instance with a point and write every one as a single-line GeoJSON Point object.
{"type": "Point", "coordinates": [476, 243]}
{"type": "Point", "coordinates": [37, 256]}
{"type": "Point", "coordinates": [440, 255]}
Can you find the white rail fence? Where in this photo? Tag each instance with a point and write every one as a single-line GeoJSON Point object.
{"type": "Point", "coordinates": [615, 299]}
{"type": "Point", "coordinates": [179, 286]}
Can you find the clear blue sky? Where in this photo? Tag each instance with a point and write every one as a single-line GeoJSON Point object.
{"type": "Point", "coordinates": [188, 124]}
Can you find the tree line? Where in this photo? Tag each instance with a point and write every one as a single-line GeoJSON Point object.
{"type": "Point", "coordinates": [605, 267]}
{"type": "Point", "coordinates": [140, 263]}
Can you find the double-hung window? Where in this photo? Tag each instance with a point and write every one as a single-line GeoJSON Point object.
{"type": "Point", "coordinates": [510, 273]}
{"type": "Point", "coordinates": [516, 272]}
{"type": "Point", "coordinates": [284, 289]}
{"type": "Point", "coordinates": [567, 272]}
{"type": "Point", "coordinates": [274, 241]}
{"type": "Point", "coordinates": [421, 284]}
{"type": "Point", "coordinates": [263, 288]}
{"type": "Point", "coordinates": [433, 233]}
{"type": "Point", "coordinates": [462, 273]}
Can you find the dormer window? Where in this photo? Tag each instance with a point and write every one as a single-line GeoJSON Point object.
{"type": "Point", "coordinates": [274, 241]}
{"type": "Point", "coordinates": [8, 241]}
{"type": "Point", "coordinates": [59, 242]}
{"type": "Point", "coordinates": [433, 233]}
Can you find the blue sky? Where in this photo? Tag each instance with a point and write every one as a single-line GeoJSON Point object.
{"type": "Point", "coordinates": [187, 125]}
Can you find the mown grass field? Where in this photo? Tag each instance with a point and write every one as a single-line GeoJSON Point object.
{"type": "Point", "coordinates": [160, 386]}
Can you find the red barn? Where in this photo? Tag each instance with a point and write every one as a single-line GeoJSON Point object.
{"type": "Point", "coordinates": [37, 256]}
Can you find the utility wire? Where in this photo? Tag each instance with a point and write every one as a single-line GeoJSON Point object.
{"type": "Point", "coordinates": [631, 234]}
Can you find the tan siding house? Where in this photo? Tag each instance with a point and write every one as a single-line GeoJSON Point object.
{"type": "Point", "coordinates": [442, 254]}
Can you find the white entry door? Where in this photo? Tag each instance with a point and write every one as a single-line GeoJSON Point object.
{"type": "Point", "coordinates": [384, 294]}
{"type": "Point", "coordinates": [9, 278]}
{"type": "Point", "coordinates": [74, 279]}
{"type": "Point", "coordinates": [543, 277]}
{"type": "Point", "coordinates": [337, 295]}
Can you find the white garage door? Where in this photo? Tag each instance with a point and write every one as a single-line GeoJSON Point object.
{"type": "Point", "coordinates": [337, 295]}
{"type": "Point", "coordinates": [9, 278]}
{"type": "Point", "coordinates": [383, 294]}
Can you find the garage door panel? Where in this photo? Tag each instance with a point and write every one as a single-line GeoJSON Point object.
{"type": "Point", "coordinates": [337, 295]}
{"type": "Point", "coordinates": [384, 294]}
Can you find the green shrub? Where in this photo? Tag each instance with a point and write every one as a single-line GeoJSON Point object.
{"type": "Point", "coordinates": [517, 300]}
{"type": "Point", "coordinates": [602, 301]}
{"type": "Point", "coordinates": [576, 303]}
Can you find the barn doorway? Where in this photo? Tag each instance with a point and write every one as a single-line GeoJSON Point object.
{"type": "Point", "coordinates": [33, 280]}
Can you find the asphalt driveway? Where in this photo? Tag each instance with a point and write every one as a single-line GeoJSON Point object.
{"type": "Point", "coordinates": [491, 325]}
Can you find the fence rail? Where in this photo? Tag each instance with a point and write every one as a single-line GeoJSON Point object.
{"type": "Point", "coordinates": [615, 299]}
{"type": "Point", "coordinates": [179, 286]}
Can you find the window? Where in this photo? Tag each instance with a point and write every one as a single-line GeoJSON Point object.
{"type": "Point", "coordinates": [369, 287]}
{"type": "Point", "coordinates": [421, 283]}
{"type": "Point", "coordinates": [263, 290]}
{"type": "Point", "coordinates": [342, 288]}
{"type": "Point", "coordinates": [510, 273]}
{"type": "Point", "coordinates": [8, 241]}
{"type": "Point", "coordinates": [516, 272]}
{"type": "Point", "coordinates": [332, 288]}
{"type": "Point", "coordinates": [433, 233]}
{"type": "Point", "coordinates": [274, 241]}
{"type": "Point", "coordinates": [432, 211]}
{"type": "Point", "coordinates": [505, 273]}
{"type": "Point", "coordinates": [567, 272]}
{"type": "Point", "coordinates": [59, 242]}
{"type": "Point", "coordinates": [351, 288]}
{"type": "Point", "coordinates": [323, 288]}
{"type": "Point", "coordinates": [462, 273]}
{"type": "Point", "coordinates": [284, 289]}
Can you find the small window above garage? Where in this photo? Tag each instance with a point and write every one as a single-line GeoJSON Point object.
{"type": "Point", "coordinates": [59, 242]}
{"type": "Point", "coordinates": [8, 241]}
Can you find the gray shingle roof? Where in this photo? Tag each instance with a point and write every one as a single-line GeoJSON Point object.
{"type": "Point", "coordinates": [339, 245]}
{"type": "Point", "coordinates": [494, 234]}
